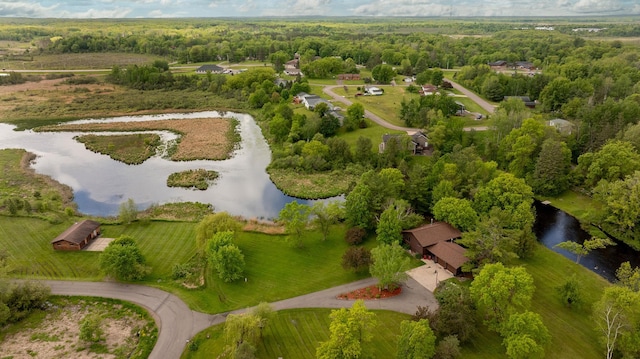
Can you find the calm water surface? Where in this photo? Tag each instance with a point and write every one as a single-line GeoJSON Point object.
{"type": "Point", "coordinates": [101, 184]}
{"type": "Point", "coordinates": [554, 226]}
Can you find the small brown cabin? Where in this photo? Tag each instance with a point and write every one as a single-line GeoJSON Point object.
{"type": "Point", "coordinates": [77, 236]}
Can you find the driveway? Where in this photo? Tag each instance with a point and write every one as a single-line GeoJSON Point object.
{"type": "Point", "coordinates": [177, 323]}
{"type": "Point", "coordinates": [475, 98]}
{"type": "Point", "coordinates": [368, 114]}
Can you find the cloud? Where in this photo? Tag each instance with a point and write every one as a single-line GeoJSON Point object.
{"type": "Point", "coordinates": [597, 6]}
{"type": "Point", "coordinates": [22, 9]}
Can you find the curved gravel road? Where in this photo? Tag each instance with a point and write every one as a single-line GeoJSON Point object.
{"type": "Point", "coordinates": [177, 323]}
{"type": "Point", "coordinates": [475, 98]}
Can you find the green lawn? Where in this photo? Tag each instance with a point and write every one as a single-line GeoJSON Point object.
{"type": "Point", "coordinates": [274, 268]}
{"type": "Point", "coordinates": [573, 330]}
{"type": "Point", "coordinates": [575, 203]}
{"type": "Point", "coordinates": [372, 131]}
{"type": "Point", "coordinates": [386, 106]}
{"type": "Point", "coordinates": [296, 333]}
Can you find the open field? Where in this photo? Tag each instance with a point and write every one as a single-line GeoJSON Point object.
{"type": "Point", "coordinates": [48, 102]}
{"type": "Point", "coordinates": [373, 131]}
{"type": "Point", "coordinates": [206, 138]}
{"type": "Point", "coordinates": [296, 333]}
{"type": "Point", "coordinates": [54, 333]}
{"type": "Point", "coordinates": [76, 61]}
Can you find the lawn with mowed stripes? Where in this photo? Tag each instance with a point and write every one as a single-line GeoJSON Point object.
{"type": "Point", "coordinates": [275, 270]}
{"type": "Point", "coordinates": [296, 333]}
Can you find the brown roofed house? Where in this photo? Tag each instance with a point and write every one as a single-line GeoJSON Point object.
{"type": "Point", "coordinates": [77, 236]}
{"type": "Point", "coordinates": [436, 239]}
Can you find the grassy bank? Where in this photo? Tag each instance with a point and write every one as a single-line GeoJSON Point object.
{"type": "Point", "coordinates": [296, 333]}
{"type": "Point", "coordinates": [312, 185]}
{"type": "Point", "coordinates": [130, 149]}
{"type": "Point", "coordinates": [572, 330]}
{"type": "Point", "coordinates": [24, 192]}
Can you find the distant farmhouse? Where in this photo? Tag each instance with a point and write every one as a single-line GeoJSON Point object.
{"type": "Point", "coordinates": [214, 69]}
{"type": "Point", "coordinates": [77, 236]}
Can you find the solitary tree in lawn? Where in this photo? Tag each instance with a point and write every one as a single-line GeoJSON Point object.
{"type": "Point", "coordinates": [390, 262]}
{"type": "Point", "coordinates": [349, 330]}
{"type": "Point", "coordinates": [123, 260]}
{"type": "Point", "coordinates": [295, 217]}
{"type": "Point", "coordinates": [212, 224]}
{"type": "Point", "coordinates": [326, 215]}
{"type": "Point", "coordinates": [525, 335]}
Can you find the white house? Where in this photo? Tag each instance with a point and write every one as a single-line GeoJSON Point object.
{"type": "Point", "coordinates": [374, 91]}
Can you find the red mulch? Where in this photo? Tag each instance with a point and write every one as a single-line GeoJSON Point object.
{"type": "Point", "coordinates": [371, 292]}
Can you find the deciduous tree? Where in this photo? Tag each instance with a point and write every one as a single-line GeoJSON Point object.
{"type": "Point", "coordinates": [212, 224]}
{"type": "Point", "coordinates": [500, 291]}
{"type": "Point", "coordinates": [525, 335]}
{"type": "Point", "coordinates": [356, 258]}
{"type": "Point", "coordinates": [295, 217]}
{"type": "Point", "coordinates": [617, 315]}
{"type": "Point", "coordinates": [416, 341]}
{"type": "Point", "coordinates": [457, 212]}
{"type": "Point", "coordinates": [123, 260]}
{"type": "Point", "coordinates": [586, 247]}
{"type": "Point", "coordinates": [349, 330]}
{"type": "Point", "coordinates": [325, 215]}
{"type": "Point", "coordinates": [390, 262]}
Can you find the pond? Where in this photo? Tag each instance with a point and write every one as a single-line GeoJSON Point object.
{"type": "Point", "coordinates": [554, 226]}
{"type": "Point", "coordinates": [101, 184]}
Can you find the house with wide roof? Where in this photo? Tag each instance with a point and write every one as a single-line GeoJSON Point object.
{"type": "Point", "coordinates": [77, 236]}
{"type": "Point", "coordinates": [214, 69]}
{"type": "Point", "coordinates": [437, 241]}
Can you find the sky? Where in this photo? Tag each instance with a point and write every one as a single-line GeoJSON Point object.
{"type": "Point", "coordinates": [293, 8]}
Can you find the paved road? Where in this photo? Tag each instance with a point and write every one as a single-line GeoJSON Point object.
{"type": "Point", "coordinates": [177, 323]}
{"type": "Point", "coordinates": [368, 114]}
{"type": "Point", "coordinates": [475, 98]}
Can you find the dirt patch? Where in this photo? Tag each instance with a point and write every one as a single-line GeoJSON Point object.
{"type": "Point", "coordinates": [370, 292]}
{"type": "Point", "coordinates": [58, 334]}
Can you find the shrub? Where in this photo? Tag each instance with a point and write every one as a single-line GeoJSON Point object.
{"type": "Point", "coordinates": [91, 329]}
{"type": "Point", "coordinates": [355, 235]}
{"type": "Point", "coordinates": [356, 258]}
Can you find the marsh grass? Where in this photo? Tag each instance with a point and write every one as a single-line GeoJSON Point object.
{"type": "Point", "coordinates": [131, 149]}
{"type": "Point", "coordinates": [201, 139]}
{"type": "Point", "coordinates": [198, 179]}
{"type": "Point", "coordinates": [312, 185]}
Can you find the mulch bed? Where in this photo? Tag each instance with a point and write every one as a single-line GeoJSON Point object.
{"type": "Point", "coordinates": [370, 293]}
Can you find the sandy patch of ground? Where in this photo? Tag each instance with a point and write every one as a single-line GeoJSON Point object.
{"type": "Point", "coordinates": [430, 274]}
{"type": "Point", "coordinates": [58, 336]}
{"type": "Point", "coordinates": [98, 244]}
